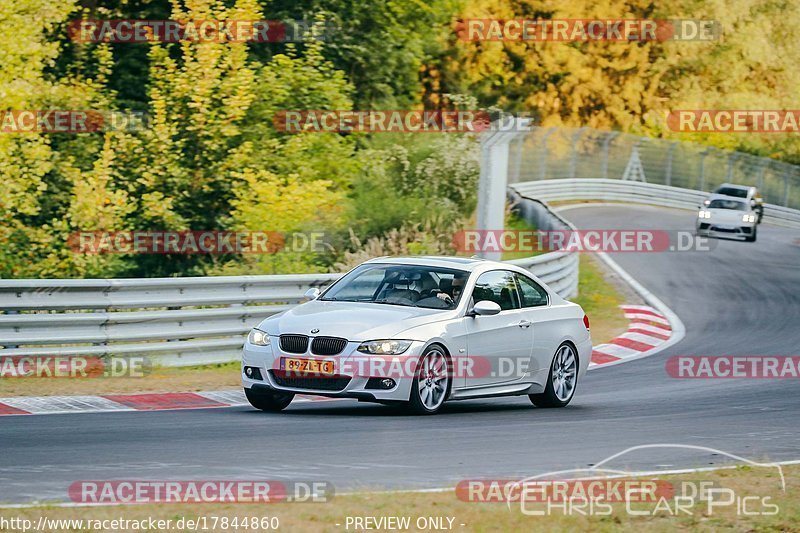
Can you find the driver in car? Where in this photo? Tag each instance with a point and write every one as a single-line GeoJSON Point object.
{"type": "Point", "coordinates": [456, 289]}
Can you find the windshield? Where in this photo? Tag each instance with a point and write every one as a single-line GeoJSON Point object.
{"type": "Point", "coordinates": [407, 285]}
{"type": "Point", "coordinates": [735, 192]}
{"type": "Point", "coordinates": [728, 204]}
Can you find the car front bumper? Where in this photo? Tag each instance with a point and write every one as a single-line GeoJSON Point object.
{"type": "Point", "coordinates": [736, 231]}
{"type": "Point", "coordinates": [352, 374]}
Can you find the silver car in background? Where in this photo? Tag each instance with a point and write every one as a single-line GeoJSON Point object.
{"type": "Point", "coordinates": [745, 192]}
{"type": "Point", "coordinates": [420, 331]}
{"type": "Point", "coordinates": [726, 216]}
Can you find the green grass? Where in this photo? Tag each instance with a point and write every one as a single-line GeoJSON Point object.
{"type": "Point", "coordinates": [600, 301]}
{"type": "Point", "coordinates": [515, 223]}
{"type": "Point", "coordinates": [323, 517]}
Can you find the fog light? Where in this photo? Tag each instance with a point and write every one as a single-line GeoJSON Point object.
{"type": "Point", "coordinates": [253, 372]}
{"type": "Point", "coordinates": [381, 383]}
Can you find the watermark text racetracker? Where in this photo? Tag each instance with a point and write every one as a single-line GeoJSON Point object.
{"type": "Point", "coordinates": [602, 497]}
{"type": "Point", "coordinates": [199, 31]}
{"type": "Point", "coordinates": [735, 120]}
{"type": "Point", "coordinates": [601, 490]}
{"type": "Point", "coordinates": [22, 121]}
{"type": "Point", "coordinates": [397, 121]}
{"type": "Point", "coordinates": [733, 366]}
{"type": "Point", "coordinates": [73, 366]}
{"type": "Point", "coordinates": [605, 240]}
{"type": "Point", "coordinates": [587, 30]}
{"type": "Point", "coordinates": [196, 242]}
{"type": "Point", "coordinates": [400, 366]}
{"type": "Point", "coordinates": [199, 491]}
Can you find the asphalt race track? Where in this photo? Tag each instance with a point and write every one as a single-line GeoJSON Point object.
{"type": "Point", "coordinates": [739, 299]}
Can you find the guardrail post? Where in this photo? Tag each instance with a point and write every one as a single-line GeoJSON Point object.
{"type": "Point", "coordinates": [10, 312]}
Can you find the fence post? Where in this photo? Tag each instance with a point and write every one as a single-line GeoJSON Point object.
{"type": "Point", "coordinates": [762, 167]}
{"type": "Point", "coordinates": [543, 161]}
{"type": "Point", "coordinates": [732, 157]}
{"type": "Point", "coordinates": [703, 155]}
{"type": "Point", "coordinates": [606, 146]}
{"type": "Point", "coordinates": [514, 177]}
{"type": "Point", "coordinates": [668, 172]}
{"type": "Point", "coordinates": [573, 162]}
{"type": "Point", "coordinates": [786, 187]}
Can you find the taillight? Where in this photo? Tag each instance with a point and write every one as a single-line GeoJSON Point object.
{"type": "Point", "coordinates": [586, 321]}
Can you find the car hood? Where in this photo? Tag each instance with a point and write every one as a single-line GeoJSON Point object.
{"type": "Point", "coordinates": [728, 216]}
{"type": "Point", "coordinates": [355, 321]}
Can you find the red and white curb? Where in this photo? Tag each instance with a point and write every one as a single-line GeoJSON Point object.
{"type": "Point", "coordinates": [41, 405]}
{"type": "Point", "coordinates": [647, 331]}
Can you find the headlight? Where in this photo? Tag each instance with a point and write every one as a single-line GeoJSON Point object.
{"type": "Point", "coordinates": [749, 217]}
{"type": "Point", "coordinates": [704, 214]}
{"type": "Point", "coordinates": [258, 337]}
{"type": "Point", "coordinates": [384, 347]}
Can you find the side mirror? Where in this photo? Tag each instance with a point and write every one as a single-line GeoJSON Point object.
{"type": "Point", "coordinates": [312, 293]}
{"type": "Point", "coordinates": [485, 308]}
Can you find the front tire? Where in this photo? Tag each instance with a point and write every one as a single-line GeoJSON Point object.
{"type": "Point", "coordinates": [431, 384]}
{"type": "Point", "coordinates": [269, 401]}
{"type": "Point", "coordinates": [561, 381]}
{"type": "Point", "coordinates": [752, 238]}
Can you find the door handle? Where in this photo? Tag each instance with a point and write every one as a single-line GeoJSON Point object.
{"type": "Point", "coordinates": [524, 324]}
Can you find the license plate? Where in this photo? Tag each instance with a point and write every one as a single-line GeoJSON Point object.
{"type": "Point", "coordinates": [307, 366]}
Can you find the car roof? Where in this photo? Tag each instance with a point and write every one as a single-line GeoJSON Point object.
{"type": "Point", "coordinates": [727, 198]}
{"type": "Point", "coordinates": [733, 186]}
{"type": "Point", "coordinates": [441, 261]}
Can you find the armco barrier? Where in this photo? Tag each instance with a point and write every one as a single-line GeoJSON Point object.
{"type": "Point", "coordinates": [613, 190]}
{"type": "Point", "coordinates": [174, 321]}
{"type": "Point", "coordinates": [558, 269]}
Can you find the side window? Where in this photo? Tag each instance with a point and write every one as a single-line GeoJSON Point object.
{"type": "Point", "coordinates": [497, 286]}
{"type": "Point", "coordinates": [532, 294]}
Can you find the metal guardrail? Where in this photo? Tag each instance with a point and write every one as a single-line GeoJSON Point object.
{"type": "Point", "coordinates": [637, 192]}
{"type": "Point", "coordinates": [558, 269]}
{"type": "Point", "coordinates": [174, 321]}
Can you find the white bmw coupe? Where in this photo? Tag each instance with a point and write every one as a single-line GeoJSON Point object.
{"type": "Point", "coordinates": [421, 331]}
